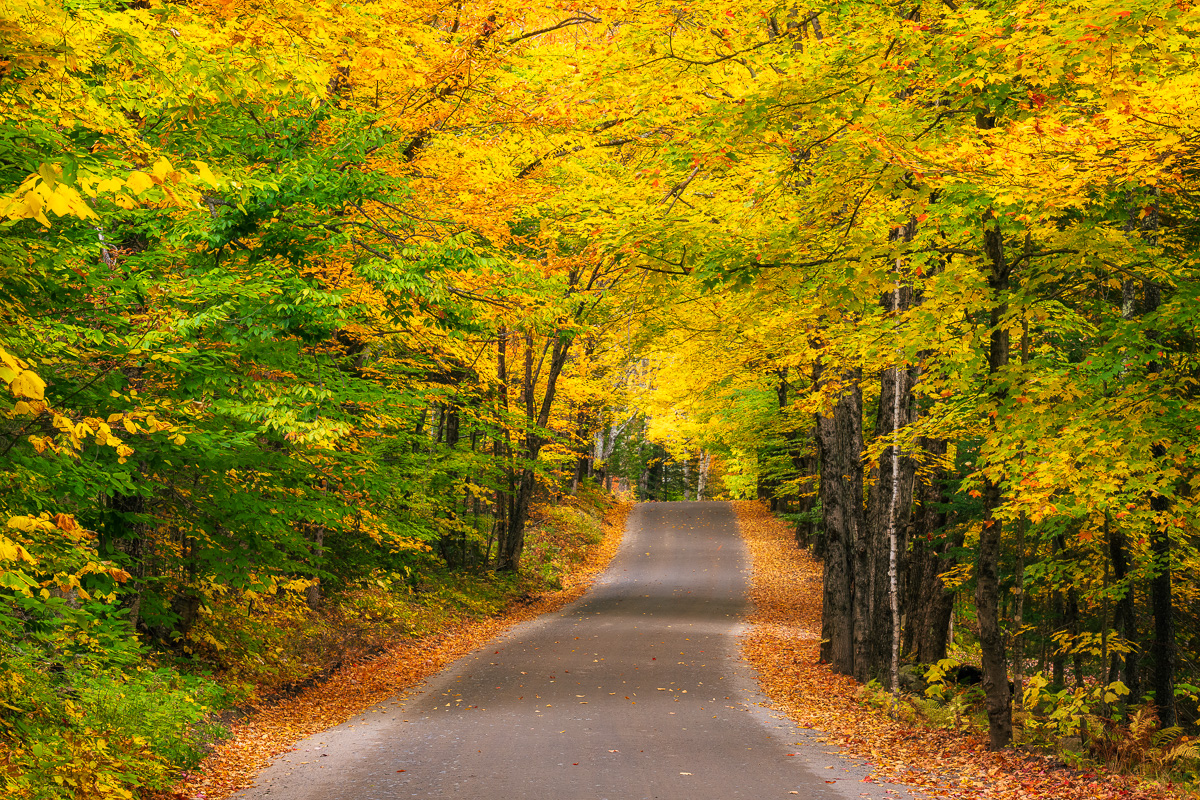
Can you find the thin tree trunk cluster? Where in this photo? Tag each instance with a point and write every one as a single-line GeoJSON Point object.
{"type": "Point", "coordinates": [883, 545]}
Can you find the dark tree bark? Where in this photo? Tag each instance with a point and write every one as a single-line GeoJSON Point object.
{"type": "Point", "coordinates": [840, 446]}
{"type": "Point", "coordinates": [123, 532]}
{"type": "Point", "coordinates": [654, 475]}
{"type": "Point", "coordinates": [804, 464]}
{"type": "Point", "coordinates": [452, 421]}
{"type": "Point", "coordinates": [1122, 666]}
{"type": "Point", "coordinates": [879, 510]}
{"type": "Point", "coordinates": [807, 466]}
{"type": "Point", "coordinates": [509, 557]}
{"type": "Point", "coordinates": [537, 416]}
{"type": "Point", "coordinates": [1162, 650]}
{"type": "Point", "coordinates": [502, 447]}
{"type": "Point", "coordinates": [930, 603]}
{"type": "Point", "coordinates": [419, 430]}
{"type": "Point", "coordinates": [581, 460]}
{"type": "Point", "coordinates": [889, 499]}
{"type": "Point", "coordinates": [1058, 664]}
{"type": "Point", "coordinates": [1070, 610]}
{"type": "Point", "coordinates": [768, 485]}
{"type": "Point", "coordinates": [987, 579]}
{"type": "Point", "coordinates": [312, 594]}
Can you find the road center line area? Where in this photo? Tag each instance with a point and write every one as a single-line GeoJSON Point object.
{"type": "Point", "coordinates": [637, 690]}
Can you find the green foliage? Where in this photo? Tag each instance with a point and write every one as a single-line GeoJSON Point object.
{"type": "Point", "coordinates": [939, 683]}
{"type": "Point", "coordinates": [1057, 715]}
{"type": "Point", "coordinates": [80, 730]}
{"type": "Point", "coordinates": [264, 645]}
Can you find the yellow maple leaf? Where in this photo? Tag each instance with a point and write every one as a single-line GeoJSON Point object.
{"type": "Point", "coordinates": [204, 173]}
{"type": "Point", "coordinates": [28, 384]}
{"type": "Point", "coordinates": [138, 182]}
{"type": "Point", "coordinates": [162, 168]}
{"type": "Point", "coordinates": [11, 551]}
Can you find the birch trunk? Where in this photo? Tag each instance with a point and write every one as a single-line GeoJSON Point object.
{"type": "Point", "coordinates": [894, 510]}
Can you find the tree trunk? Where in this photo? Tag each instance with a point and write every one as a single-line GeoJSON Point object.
{"type": "Point", "coordinates": [452, 422]}
{"type": "Point", "coordinates": [987, 579]}
{"type": "Point", "coordinates": [312, 594]}
{"type": "Point", "coordinates": [889, 506]}
{"type": "Point", "coordinates": [654, 475]}
{"type": "Point", "coordinates": [687, 476]}
{"type": "Point", "coordinates": [930, 603]}
{"type": "Point", "coordinates": [1058, 663]}
{"type": "Point", "coordinates": [1018, 650]}
{"type": "Point", "coordinates": [123, 532]}
{"type": "Point", "coordinates": [509, 558]}
{"type": "Point", "coordinates": [1124, 622]}
{"type": "Point", "coordinates": [806, 531]}
{"type": "Point", "coordinates": [840, 446]}
{"type": "Point", "coordinates": [502, 447]}
{"type": "Point", "coordinates": [581, 461]}
{"type": "Point", "coordinates": [1122, 666]}
{"type": "Point", "coordinates": [769, 480]}
{"type": "Point", "coordinates": [1161, 603]}
{"type": "Point", "coordinates": [894, 514]}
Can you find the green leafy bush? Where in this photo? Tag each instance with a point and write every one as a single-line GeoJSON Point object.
{"type": "Point", "coordinates": [81, 732]}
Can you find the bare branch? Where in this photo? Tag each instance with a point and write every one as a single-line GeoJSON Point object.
{"type": "Point", "coordinates": [583, 19]}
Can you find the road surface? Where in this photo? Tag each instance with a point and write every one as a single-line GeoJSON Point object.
{"type": "Point", "coordinates": [637, 690]}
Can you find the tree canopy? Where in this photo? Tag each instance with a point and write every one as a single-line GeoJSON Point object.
{"type": "Point", "coordinates": [298, 296]}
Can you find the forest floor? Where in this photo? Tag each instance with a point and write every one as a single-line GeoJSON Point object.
{"type": "Point", "coordinates": [783, 646]}
{"type": "Point", "coordinates": [273, 726]}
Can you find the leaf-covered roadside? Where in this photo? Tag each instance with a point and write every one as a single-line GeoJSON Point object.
{"type": "Point", "coordinates": [274, 727]}
{"type": "Point", "coordinates": [783, 646]}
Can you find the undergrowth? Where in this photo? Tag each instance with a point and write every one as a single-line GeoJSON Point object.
{"type": "Point", "coordinates": [1083, 727]}
{"type": "Point", "coordinates": [89, 712]}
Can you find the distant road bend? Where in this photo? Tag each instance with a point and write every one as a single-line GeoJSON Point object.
{"type": "Point", "coordinates": [635, 691]}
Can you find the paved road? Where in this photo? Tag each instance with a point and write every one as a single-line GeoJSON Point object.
{"type": "Point", "coordinates": [635, 691]}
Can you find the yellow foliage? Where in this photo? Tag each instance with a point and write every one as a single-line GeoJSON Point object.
{"type": "Point", "coordinates": [11, 551]}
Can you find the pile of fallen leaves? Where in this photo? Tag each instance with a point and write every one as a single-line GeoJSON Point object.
{"type": "Point", "coordinates": [784, 647]}
{"type": "Point", "coordinates": [275, 727]}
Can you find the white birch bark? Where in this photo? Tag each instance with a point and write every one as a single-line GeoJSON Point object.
{"type": "Point", "coordinates": [893, 555]}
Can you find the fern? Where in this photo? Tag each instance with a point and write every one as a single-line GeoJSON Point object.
{"type": "Point", "coordinates": [1165, 737]}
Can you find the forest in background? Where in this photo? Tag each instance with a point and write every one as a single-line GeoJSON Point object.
{"type": "Point", "coordinates": [304, 303]}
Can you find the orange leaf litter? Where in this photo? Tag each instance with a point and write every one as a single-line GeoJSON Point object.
{"type": "Point", "coordinates": [274, 729]}
{"type": "Point", "coordinates": [783, 645]}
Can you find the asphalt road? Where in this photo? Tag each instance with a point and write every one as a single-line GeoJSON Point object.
{"type": "Point", "coordinates": [637, 690]}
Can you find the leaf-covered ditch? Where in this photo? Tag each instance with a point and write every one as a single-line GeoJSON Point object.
{"type": "Point", "coordinates": [937, 749]}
